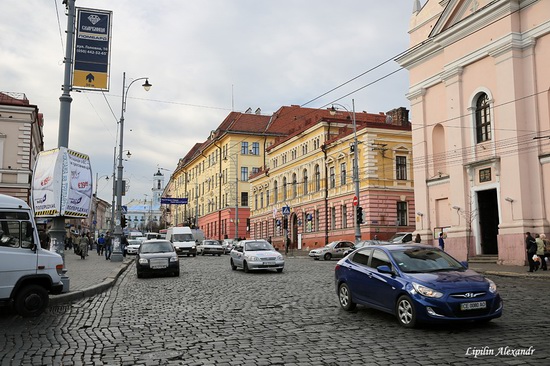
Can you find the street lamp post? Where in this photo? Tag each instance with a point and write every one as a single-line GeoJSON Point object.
{"type": "Point", "coordinates": [356, 201]}
{"type": "Point", "coordinates": [112, 226]}
{"type": "Point", "coordinates": [117, 250]}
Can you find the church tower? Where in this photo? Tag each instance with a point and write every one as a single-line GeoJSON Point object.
{"type": "Point", "coordinates": [158, 187]}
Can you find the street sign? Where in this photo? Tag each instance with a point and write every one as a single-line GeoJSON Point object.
{"type": "Point", "coordinates": [355, 200]}
{"type": "Point", "coordinates": [286, 210]}
{"type": "Point", "coordinates": [173, 201]}
{"type": "Point", "coordinates": [124, 210]}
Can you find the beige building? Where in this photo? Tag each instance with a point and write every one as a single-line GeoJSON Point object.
{"type": "Point", "coordinates": [479, 93]}
{"type": "Point", "coordinates": [21, 139]}
{"type": "Point", "coordinates": [310, 174]}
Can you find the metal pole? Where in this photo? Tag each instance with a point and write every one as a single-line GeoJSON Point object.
{"type": "Point", "coordinates": [355, 174]}
{"type": "Point", "coordinates": [236, 196]}
{"type": "Point", "coordinates": [57, 232]}
{"type": "Point", "coordinates": [114, 194]}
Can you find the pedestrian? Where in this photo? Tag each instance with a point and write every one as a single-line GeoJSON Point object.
{"type": "Point", "coordinates": [441, 242]}
{"type": "Point", "coordinates": [540, 251]}
{"type": "Point", "coordinates": [417, 239]}
{"type": "Point", "coordinates": [84, 244]}
{"type": "Point", "coordinates": [100, 244]}
{"type": "Point", "coordinates": [546, 248]}
{"type": "Point", "coordinates": [531, 248]}
{"type": "Point", "coordinates": [108, 246]}
{"type": "Point", "coordinates": [124, 244]}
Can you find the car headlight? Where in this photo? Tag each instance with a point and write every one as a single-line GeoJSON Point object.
{"type": "Point", "coordinates": [193, 247]}
{"type": "Point", "coordinates": [253, 259]}
{"type": "Point", "coordinates": [426, 291]}
{"type": "Point", "coordinates": [143, 261]}
{"type": "Point", "coordinates": [174, 259]}
{"type": "Point", "coordinates": [492, 286]}
{"type": "Point", "coordinates": [279, 258]}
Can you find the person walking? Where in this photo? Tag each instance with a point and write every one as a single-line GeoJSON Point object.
{"type": "Point", "coordinates": [531, 248]}
{"type": "Point", "coordinates": [100, 244]}
{"type": "Point", "coordinates": [441, 242]}
{"type": "Point", "coordinates": [546, 248]}
{"type": "Point", "coordinates": [108, 246]}
{"type": "Point", "coordinates": [84, 244]}
{"type": "Point", "coordinates": [540, 251]}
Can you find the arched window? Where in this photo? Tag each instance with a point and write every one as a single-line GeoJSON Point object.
{"type": "Point", "coordinates": [284, 189]}
{"type": "Point", "coordinates": [483, 118]}
{"type": "Point", "coordinates": [294, 184]}
{"type": "Point", "coordinates": [305, 182]}
{"type": "Point", "coordinates": [275, 192]}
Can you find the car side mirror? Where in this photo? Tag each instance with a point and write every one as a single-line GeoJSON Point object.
{"type": "Point", "coordinates": [385, 269]}
{"type": "Point", "coordinates": [465, 264]}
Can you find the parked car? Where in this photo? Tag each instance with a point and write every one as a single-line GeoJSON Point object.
{"type": "Point", "coordinates": [417, 284]}
{"type": "Point", "coordinates": [254, 255]}
{"type": "Point", "coordinates": [210, 246]}
{"type": "Point", "coordinates": [157, 256]}
{"type": "Point", "coordinates": [227, 245]}
{"type": "Point", "coordinates": [399, 238]}
{"type": "Point", "coordinates": [133, 246]}
{"type": "Point", "coordinates": [336, 249]}
{"type": "Point", "coordinates": [363, 243]}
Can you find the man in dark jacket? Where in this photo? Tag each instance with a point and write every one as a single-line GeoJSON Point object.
{"type": "Point", "coordinates": [531, 247]}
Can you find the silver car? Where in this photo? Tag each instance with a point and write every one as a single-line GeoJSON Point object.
{"type": "Point", "coordinates": [254, 255]}
{"type": "Point", "coordinates": [210, 246]}
{"type": "Point", "coordinates": [133, 246]}
{"type": "Point", "coordinates": [336, 249]}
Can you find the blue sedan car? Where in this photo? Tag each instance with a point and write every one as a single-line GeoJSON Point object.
{"type": "Point", "coordinates": [417, 284]}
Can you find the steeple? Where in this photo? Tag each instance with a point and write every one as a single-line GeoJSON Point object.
{"type": "Point", "coordinates": [158, 187]}
{"type": "Point", "coordinates": [416, 6]}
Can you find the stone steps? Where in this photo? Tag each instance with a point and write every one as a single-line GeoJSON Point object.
{"type": "Point", "coordinates": [484, 258]}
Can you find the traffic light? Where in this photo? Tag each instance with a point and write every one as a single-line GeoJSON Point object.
{"type": "Point", "coordinates": [123, 221]}
{"type": "Point", "coordinates": [359, 215]}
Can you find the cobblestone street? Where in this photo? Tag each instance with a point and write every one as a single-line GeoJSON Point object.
{"type": "Point", "coordinates": [211, 315]}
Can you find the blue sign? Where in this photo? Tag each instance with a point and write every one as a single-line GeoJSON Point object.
{"type": "Point", "coordinates": [173, 201]}
{"type": "Point", "coordinates": [286, 210]}
{"type": "Point", "coordinates": [124, 210]}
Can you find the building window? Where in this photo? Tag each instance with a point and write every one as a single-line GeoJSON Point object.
{"type": "Point", "coordinates": [332, 178]}
{"type": "Point", "coordinates": [244, 148]}
{"type": "Point", "coordinates": [485, 175]}
{"type": "Point", "coordinates": [317, 178]}
{"type": "Point", "coordinates": [262, 200]}
{"type": "Point", "coordinates": [401, 213]}
{"type": "Point", "coordinates": [333, 218]}
{"type": "Point", "coordinates": [483, 118]}
{"type": "Point", "coordinates": [316, 226]}
{"type": "Point", "coordinates": [267, 198]}
{"type": "Point", "coordinates": [401, 167]}
{"type": "Point", "coordinates": [284, 189]}
{"type": "Point", "coordinates": [344, 217]}
{"type": "Point", "coordinates": [343, 173]}
{"type": "Point", "coordinates": [244, 174]}
{"type": "Point", "coordinates": [255, 148]}
{"type": "Point", "coordinates": [275, 192]}
{"type": "Point", "coordinates": [244, 198]}
{"type": "Point", "coordinates": [305, 182]}
{"type": "Point", "coordinates": [256, 201]}
{"type": "Point", "coordinates": [294, 186]}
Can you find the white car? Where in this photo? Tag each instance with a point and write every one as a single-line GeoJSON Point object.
{"type": "Point", "coordinates": [256, 254]}
{"type": "Point", "coordinates": [336, 249]}
{"type": "Point", "coordinates": [210, 246]}
{"type": "Point", "coordinates": [133, 246]}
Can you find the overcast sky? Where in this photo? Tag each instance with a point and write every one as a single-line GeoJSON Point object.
{"type": "Point", "coordinates": [203, 58]}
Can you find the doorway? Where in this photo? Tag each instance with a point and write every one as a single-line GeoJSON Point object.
{"type": "Point", "coordinates": [488, 220]}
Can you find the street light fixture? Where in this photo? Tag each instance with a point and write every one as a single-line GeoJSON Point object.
{"type": "Point", "coordinates": [117, 250]}
{"type": "Point", "coordinates": [356, 201]}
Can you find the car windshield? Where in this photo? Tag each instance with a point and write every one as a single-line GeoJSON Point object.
{"type": "Point", "coordinates": [183, 237]}
{"type": "Point", "coordinates": [162, 247]}
{"type": "Point", "coordinates": [421, 260]}
{"type": "Point", "coordinates": [134, 242]}
{"type": "Point", "coordinates": [211, 242]}
{"type": "Point", "coordinates": [258, 245]}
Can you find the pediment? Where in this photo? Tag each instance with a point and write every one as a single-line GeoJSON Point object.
{"type": "Point", "coordinates": [456, 11]}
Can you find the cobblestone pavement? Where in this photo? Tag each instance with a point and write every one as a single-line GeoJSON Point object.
{"type": "Point", "coordinates": [211, 315]}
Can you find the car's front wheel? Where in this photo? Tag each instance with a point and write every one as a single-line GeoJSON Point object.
{"type": "Point", "coordinates": [245, 267]}
{"type": "Point", "coordinates": [344, 295]}
{"type": "Point", "coordinates": [406, 313]}
{"type": "Point", "coordinates": [31, 300]}
{"type": "Point", "coordinates": [327, 256]}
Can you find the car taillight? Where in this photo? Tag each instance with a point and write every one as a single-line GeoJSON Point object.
{"type": "Point", "coordinates": [59, 269]}
{"type": "Point", "coordinates": [337, 267]}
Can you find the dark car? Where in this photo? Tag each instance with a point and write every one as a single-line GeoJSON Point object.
{"type": "Point", "coordinates": [417, 284]}
{"type": "Point", "coordinates": [157, 257]}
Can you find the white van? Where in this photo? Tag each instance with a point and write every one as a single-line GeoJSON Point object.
{"type": "Point", "coordinates": [27, 272]}
{"type": "Point", "coordinates": [183, 240]}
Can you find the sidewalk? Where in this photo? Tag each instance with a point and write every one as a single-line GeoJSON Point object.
{"type": "Point", "coordinates": [94, 274]}
{"type": "Point", "coordinates": [89, 276]}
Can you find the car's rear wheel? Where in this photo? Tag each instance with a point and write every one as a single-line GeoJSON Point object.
{"type": "Point", "coordinates": [219, 254]}
{"type": "Point", "coordinates": [245, 267]}
{"type": "Point", "coordinates": [233, 266]}
{"type": "Point", "coordinates": [344, 295]}
{"type": "Point", "coordinates": [327, 257]}
{"type": "Point", "coordinates": [406, 313]}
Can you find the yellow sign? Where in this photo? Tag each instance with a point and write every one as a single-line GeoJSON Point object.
{"type": "Point", "coordinates": [87, 79]}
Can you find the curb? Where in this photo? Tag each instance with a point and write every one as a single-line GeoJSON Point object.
{"type": "Point", "coordinates": [107, 283]}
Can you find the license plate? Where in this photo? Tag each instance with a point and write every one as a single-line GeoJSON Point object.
{"type": "Point", "coordinates": [473, 305]}
{"type": "Point", "coordinates": [159, 266]}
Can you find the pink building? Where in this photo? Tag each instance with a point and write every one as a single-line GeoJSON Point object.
{"type": "Point", "coordinates": [480, 104]}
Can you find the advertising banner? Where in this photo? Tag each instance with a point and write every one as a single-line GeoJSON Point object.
{"type": "Point", "coordinates": [92, 49]}
{"type": "Point", "coordinates": [173, 201]}
{"type": "Point", "coordinates": [62, 184]}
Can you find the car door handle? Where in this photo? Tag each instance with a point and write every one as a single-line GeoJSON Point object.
{"type": "Point", "coordinates": [369, 274]}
